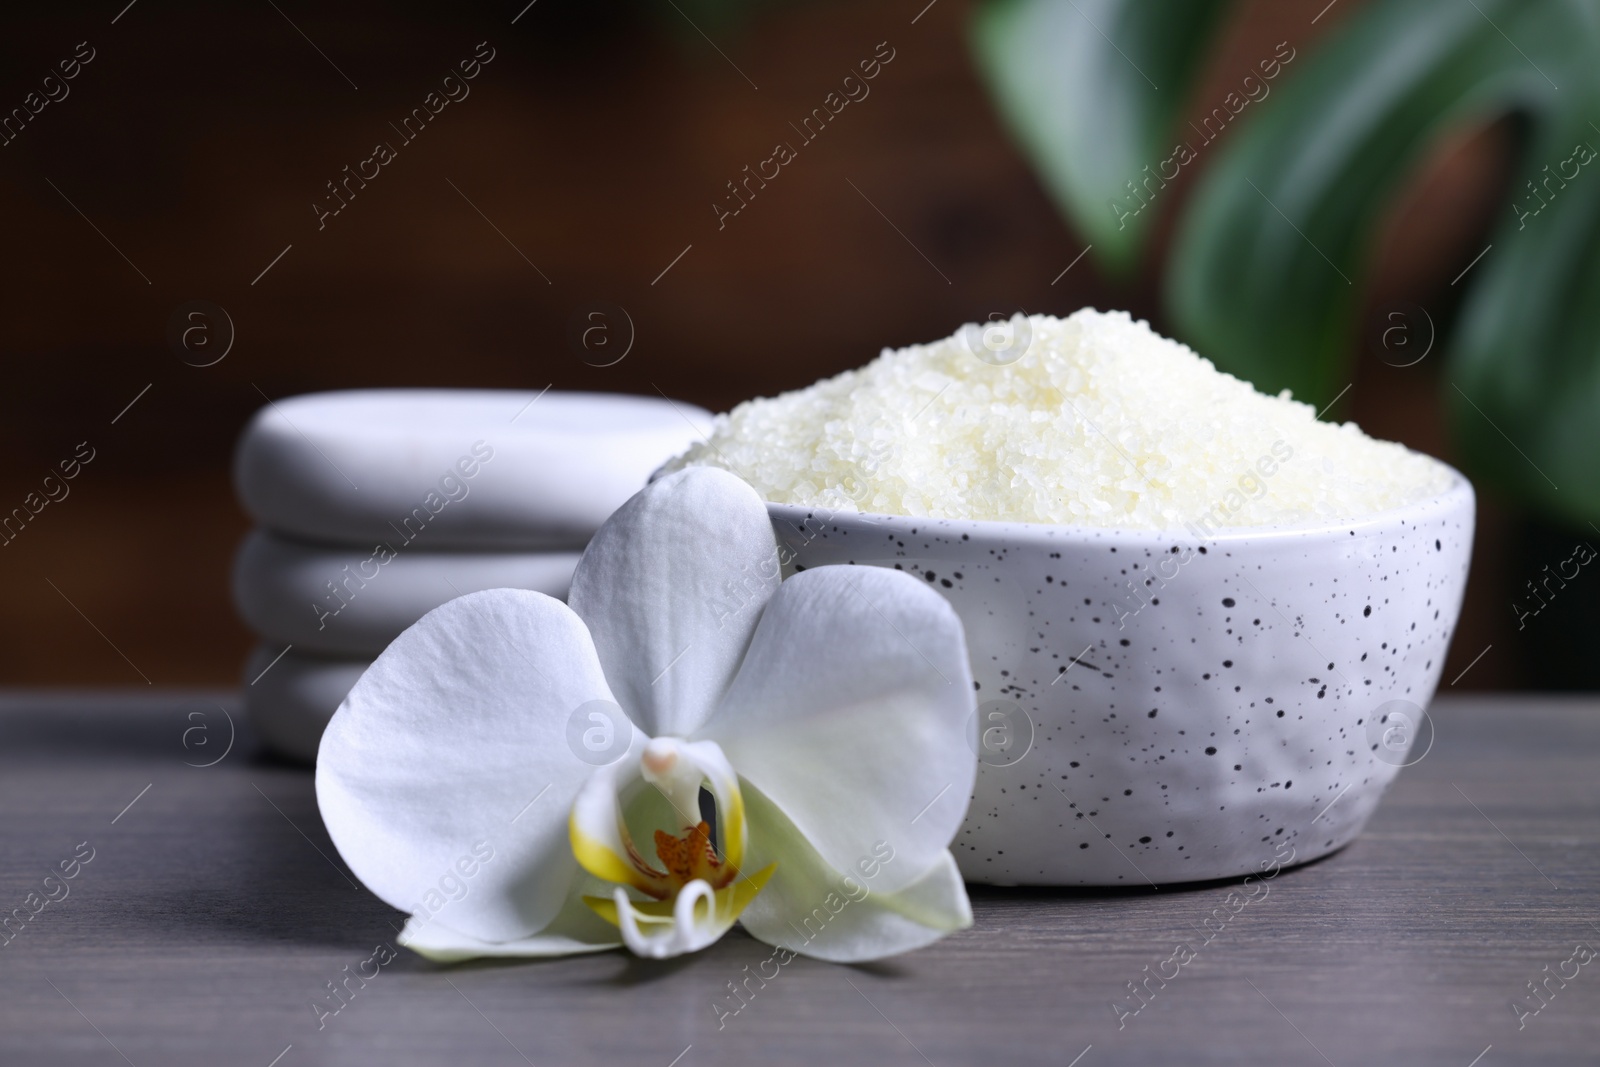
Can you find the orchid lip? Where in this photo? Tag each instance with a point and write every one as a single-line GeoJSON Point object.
{"type": "Point", "coordinates": [696, 890]}
{"type": "Point", "coordinates": [698, 893]}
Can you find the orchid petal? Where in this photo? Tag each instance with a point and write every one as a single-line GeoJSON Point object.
{"type": "Point", "coordinates": [814, 909]}
{"type": "Point", "coordinates": [851, 713]}
{"type": "Point", "coordinates": [575, 929]}
{"type": "Point", "coordinates": [672, 586]}
{"type": "Point", "coordinates": [457, 736]}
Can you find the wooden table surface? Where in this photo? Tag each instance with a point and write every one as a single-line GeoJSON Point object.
{"type": "Point", "coordinates": [214, 911]}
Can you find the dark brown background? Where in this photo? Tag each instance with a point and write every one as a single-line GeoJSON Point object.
{"type": "Point", "coordinates": [596, 140]}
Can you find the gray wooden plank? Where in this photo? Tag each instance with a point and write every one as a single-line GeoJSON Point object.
{"type": "Point", "coordinates": [215, 909]}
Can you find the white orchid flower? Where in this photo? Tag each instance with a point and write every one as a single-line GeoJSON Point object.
{"type": "Point", "coordinates": [826, 717]}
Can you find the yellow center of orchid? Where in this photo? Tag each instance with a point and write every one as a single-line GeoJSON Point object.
{"type": "Point", "coordinates": [691, 856]}
{"type": "Point", "coordinates": [697, 892]}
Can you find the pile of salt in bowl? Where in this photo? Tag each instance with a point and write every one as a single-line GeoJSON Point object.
{"type": "Point", "coordinates": [1090, 420]}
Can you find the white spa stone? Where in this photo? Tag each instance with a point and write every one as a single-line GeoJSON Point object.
{"type": "Point", "coordinates": [354, 601]}
{"type": "Point", "coordinates": [291, 703]}
{"type": "Point", "coordinates": [454, 468]}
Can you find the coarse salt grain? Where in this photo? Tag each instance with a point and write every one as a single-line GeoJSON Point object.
{"type": "Point", "coordinates": [1099, 422]}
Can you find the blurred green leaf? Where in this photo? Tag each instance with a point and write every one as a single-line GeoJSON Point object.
{"type": "Point", "coordinates": [1092, 88]}
{"type": "Point", "coordinates": [1524, 389]}
{"type": "Point", "coordinates": [1265, 274]}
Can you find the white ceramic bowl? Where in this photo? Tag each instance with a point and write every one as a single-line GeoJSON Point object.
{"type": "Point", "coordinates": [1161, 707]}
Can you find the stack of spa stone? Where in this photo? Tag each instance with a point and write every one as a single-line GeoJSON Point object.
{"type": "Point", "coordinates": [376, 506]}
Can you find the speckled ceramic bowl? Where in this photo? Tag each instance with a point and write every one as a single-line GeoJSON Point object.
{"type": "Point", "coordinates": [1166, 707]}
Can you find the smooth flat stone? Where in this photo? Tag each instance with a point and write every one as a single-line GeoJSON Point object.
{"type": "Point", "coordinates": [290, 704]}
{"type": "Point", "coordinates": [454, 468]}
{"type": "Point", "coordinates": [354, 601]}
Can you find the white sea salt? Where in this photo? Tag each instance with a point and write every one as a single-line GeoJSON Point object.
{"type": "Point", "coordinates": [1100, 421]}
